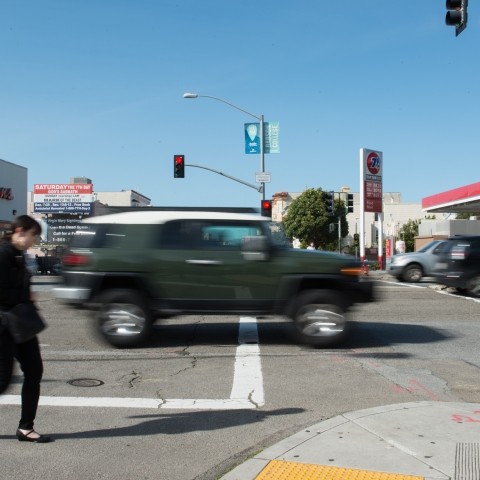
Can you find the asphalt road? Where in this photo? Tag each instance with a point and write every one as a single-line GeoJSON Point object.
{"type": "Point", "coordinates": [165, 411]}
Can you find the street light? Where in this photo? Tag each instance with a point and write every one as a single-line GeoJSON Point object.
{"type": "Point", "coordinates": [258, 117]}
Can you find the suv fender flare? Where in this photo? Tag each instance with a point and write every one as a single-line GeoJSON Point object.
{"type": "Point", "coordinates": [292, 286]}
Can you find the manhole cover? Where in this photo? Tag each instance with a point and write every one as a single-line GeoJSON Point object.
{"type": "Point", "coordinates": [85, 382]}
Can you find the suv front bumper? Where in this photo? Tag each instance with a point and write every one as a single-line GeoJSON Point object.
{"type": "Point", "coordinates": [72, 294]}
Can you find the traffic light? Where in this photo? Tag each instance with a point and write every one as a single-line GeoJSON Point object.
{"type": "Point", "coordinates": [179, 166]}
{"type": "Point", "coordinates": [266, 208]}
{"type": "Point", "coordinates": [329, 198]}
{"type": "Point", "coordinates": [356, 239]}
{"type": "Point", "coordinates": [350, 203]}
{"type": "Point", "coordinates": [457, 15]}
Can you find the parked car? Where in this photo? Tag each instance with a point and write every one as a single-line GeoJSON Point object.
{"type": "Point", "coordinates": [48, 265]}
{"type": "Point", "coordinates": [458, 264]}
{"type": "Point", "coordinates": [31, 264]}
{"type": "Point", "coordinates": [413, 266]}
{"type": "Point", "coordinates": [133, 268]}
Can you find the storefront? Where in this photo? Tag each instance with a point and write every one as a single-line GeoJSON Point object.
{"type": "Point", "coordinates": [13, 193]}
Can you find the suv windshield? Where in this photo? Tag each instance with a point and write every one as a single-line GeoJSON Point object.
{"type": "Point", "coordinates": [429, 245]}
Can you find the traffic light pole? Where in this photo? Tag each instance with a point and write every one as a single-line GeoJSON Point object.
{"type": "Point", "coordinates": [255, 187]}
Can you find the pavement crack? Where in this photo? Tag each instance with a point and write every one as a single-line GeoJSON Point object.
{"type": "Point", "coordinates": [133, 378]}
{"type": "Point", "coordinates": [250, 399]}
{"type": "Point", "coordinates": [193, 364]}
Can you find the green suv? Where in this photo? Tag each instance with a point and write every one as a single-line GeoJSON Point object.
{"type": "Point", "coordinates": [136, 267]}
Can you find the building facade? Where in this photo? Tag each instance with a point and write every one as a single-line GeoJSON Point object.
{"type": "Point", "coordinates": [13, 193]}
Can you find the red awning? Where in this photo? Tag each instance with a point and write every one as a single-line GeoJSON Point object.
{"type": "Point", "coordinates": [465, 198]}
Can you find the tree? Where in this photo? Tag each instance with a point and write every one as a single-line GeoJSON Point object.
{"type": "Point", "coordinates": [408, 232]}
{"type": "Point", "coordinates": [307, 220]}
{"type": "Point", "coordinates": [465, 216]}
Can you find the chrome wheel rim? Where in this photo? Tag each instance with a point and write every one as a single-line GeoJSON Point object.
{"type": "Point", "coordinates": [320, 320]}
{"type": "Point", "coordinates": [122, 319]}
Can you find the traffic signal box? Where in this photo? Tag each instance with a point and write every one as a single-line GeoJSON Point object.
{"type": "Point", "coordinates": [457, 15]}
{"type": "Point", "coordinates": [350, 203]}
{"type": "Point", "coordinates": [266, 208]}
{"type": "Point", "coordinates": [179, 166]}
{"type": "Point", "coordinates": [329, 198]}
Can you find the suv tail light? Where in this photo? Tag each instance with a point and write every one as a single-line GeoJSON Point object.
{"type": "Point", "coordinates": [459, 252]}
{"type": "Point", "coordinates": [76, 259]}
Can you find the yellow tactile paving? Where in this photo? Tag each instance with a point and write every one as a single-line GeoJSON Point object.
{"type": "Point", "coordinates": [281, 470]}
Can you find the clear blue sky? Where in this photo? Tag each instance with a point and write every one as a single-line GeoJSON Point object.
{"type": "Point", "coordinates": [94, 88]}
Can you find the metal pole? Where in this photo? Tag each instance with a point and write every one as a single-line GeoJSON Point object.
{"type": "Point", "coordinates": [339, 235]}
{"type": "Point", "coordinates": [262, 153]}
{"type": "Point", "coordinates": [258, 117]}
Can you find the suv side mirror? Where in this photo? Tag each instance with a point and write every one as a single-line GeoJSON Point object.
{"type": "Point", "coordinates": [255, 248]}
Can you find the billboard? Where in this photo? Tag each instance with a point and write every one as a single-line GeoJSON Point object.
{"type": "Point", "coordinates": [73, 198]}
{"type": "Point", "coordinates": [61, 230]}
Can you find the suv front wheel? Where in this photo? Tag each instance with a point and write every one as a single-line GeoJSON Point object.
{"type": "Point", "coordinates": [320, 318]}
{"type": "Point", "coordinates": [122, 318]}
{"type": "Point", "coordinates": [413, 273]}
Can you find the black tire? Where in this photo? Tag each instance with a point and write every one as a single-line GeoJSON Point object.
{"type": "Point", "coordinates": [473, 286]}
{"type": "Point", "coordinates": [320, 319]}
{"type": "Point", "coordinates": [122, 318]}
{"type": "Point", "coordinates": [413, 273]}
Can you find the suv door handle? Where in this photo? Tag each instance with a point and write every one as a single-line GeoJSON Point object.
{"type": "Point", "coordinates": [204, 262]}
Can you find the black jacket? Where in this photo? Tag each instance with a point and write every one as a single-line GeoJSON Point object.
{"type": "Point", "coordinates": [14, 276]}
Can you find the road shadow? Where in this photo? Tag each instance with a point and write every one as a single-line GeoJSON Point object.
{"type": "Point", "coordinates": [178, 423]}
{"type": "Point", "coordinates": [280, 332]}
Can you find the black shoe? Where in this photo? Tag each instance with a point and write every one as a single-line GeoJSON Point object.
{"type": "Point", "coordinates": [24, 437]}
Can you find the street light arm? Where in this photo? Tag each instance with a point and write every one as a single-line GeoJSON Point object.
{"type": "Point", "coordinates": [255, 187]}
{"type": "Point", "coordinates": [195, 95]}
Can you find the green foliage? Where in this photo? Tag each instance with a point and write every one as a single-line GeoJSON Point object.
{"type": "Point", "coordinates": [465, 216]}
{"type": "Point", "coordinates": [408, 232]}
{"type": "Point", "coordinates": [307, 220]}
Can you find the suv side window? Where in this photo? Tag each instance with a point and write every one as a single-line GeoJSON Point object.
{"type": "Point", "coordinates": [206, 235]}
{"type": "Point", "coordinates": [179, 235]}
{"type": "Point", "coordinates": [225, 235]}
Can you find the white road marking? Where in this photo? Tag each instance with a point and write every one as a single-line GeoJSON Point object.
{"type": "Point", "coordinates": [247, 389]}
{"type": "Point", "coordinates": [442, 292]}
{"type": "Point", "coordinates": [247, 377]}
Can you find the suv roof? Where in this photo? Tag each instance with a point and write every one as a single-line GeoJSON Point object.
{"type": "Point", "coordinates": [146, 217]}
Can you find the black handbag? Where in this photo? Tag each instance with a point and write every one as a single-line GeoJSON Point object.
{"type": "Point", "coordinates": [24, 322]}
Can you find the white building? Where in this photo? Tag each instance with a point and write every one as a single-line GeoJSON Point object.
{"type": "Point", "coordinates": [123, 198]}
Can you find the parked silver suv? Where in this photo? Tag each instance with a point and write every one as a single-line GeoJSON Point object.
{"type": "Point", "coordinates": [412, 266]}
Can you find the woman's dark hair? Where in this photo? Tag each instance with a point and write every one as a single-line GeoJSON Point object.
{"type": "Point", "coordinates": [26, 223]}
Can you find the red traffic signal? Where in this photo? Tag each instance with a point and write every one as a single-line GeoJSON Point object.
{"type": "Point", "coordinates": [179, 166]}
{"type": "Point", "coordinates": [266, 208]}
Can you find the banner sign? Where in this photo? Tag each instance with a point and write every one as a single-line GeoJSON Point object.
{"type": "Point", "coordinates": [64, 188]}
{"type": "Point", "coordinates": [63, 198]}
{"type": "Point", "coordinates": [271, 132]}
{"type": "Point", "coordinates": [252, 138]}
{"type": "Point", "coordinates": [85, 208]}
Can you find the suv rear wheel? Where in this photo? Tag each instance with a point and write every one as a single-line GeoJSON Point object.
{"type": "Point", "coordinates": [473, 286]}
{"type": "Point", "coordinates": [320, 318]}
{"type": "Point", "coordinates": [123, 318]}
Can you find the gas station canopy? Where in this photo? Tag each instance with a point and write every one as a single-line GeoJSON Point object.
{"type": "Point", "coordinates": [459, 200]}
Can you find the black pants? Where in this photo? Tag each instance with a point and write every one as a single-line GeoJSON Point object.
{"type": "Point", "coordinates": [30, 360]}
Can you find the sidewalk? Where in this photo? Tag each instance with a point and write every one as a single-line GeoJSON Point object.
{"type": "Point", "coordinates": [418, 440]}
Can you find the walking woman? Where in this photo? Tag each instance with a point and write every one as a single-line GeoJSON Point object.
{"type": "Point", "coordinates": [15, 289]}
